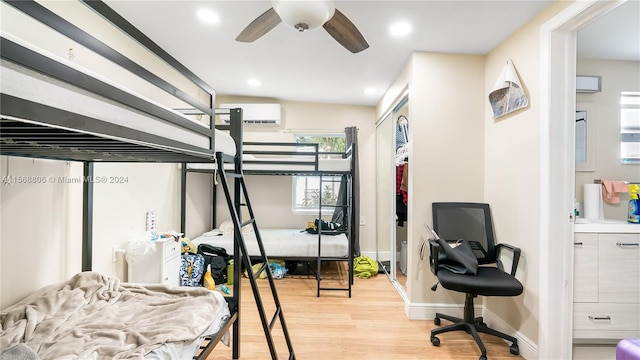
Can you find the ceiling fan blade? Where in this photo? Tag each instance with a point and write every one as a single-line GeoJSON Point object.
{"type": "Point", "coordinates": [260, 26]}
{"type": "Point", "coordinates": [344, 32]}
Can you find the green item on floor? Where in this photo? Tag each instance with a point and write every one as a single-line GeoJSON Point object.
{"type": "Point", "coordinates": [364, 267]}
{"type": "Point", "coordinates": [230, 272]}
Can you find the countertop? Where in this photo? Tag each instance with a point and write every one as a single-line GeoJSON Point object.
{"type": "Point", "coordinates": [605, 226]}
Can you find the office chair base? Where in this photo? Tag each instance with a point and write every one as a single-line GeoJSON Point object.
{"type": "Point", "coordinates": [471, 325]}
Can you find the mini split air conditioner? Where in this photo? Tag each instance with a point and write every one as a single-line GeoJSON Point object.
{"type": "Point", "coordinates": [255, 114]}
{"type": "Point", "coordinates": [588, 84]}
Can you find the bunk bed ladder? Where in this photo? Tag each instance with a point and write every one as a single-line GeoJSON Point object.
{"type": "Point", "coordinates": [331, 179]}
{"type": "Point", "coordinates": [253, 274]}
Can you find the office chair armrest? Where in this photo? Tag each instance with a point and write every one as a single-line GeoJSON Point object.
{"type": "Point", "coordinates": [516, 256]}
{"type": "Point", "coordinates": [434, 250]}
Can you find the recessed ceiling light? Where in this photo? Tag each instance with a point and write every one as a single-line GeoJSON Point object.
{"type": "Point", "coordinates": [370, 91]}
{"type": "Point", "coordinates": [208, 16]}
{"type": "Point", "coordinates": [254, 82]}
{"type": "Point", "coordinates": [400, 29]}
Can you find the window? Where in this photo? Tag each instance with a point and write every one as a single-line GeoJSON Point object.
{"type": "Point", "coordinates": [630, 127]}
{"type": "Point", "coordinates": [306, 189]}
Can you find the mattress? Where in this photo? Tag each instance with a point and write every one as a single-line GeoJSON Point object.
{"type": "Point", "coordinates": [281, 243]}
{"type": "Point", "coordinates": [27, 84]}
{"type": "Point", "coordinates": [284, 164]}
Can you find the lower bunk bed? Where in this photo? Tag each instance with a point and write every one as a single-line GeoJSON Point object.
{"type": "Point", "coordinates": [282, 244]}
{"type": "Point", "coordinates": [93, 316]}
{"type": "Point", "coordinates": [303, 253]}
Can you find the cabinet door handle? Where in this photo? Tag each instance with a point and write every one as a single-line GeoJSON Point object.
{"type": "Point", "coordinates": [621, 244]}
{"type": "Point", "coordinates": [599, 317]}
{"type": "Point", "coordinates": [578, 243]}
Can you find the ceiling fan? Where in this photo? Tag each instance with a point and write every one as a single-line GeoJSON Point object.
{"type": "Point", "coordinates": [305, 15]}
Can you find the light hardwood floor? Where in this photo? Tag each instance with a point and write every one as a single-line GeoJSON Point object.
{"type": "Point", "coordinates": [370, 325]}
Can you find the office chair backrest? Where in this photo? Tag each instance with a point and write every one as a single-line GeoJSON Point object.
{"type": "Point", "coordinates": [469, 221]}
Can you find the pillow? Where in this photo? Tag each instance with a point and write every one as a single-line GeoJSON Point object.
{"type": "Point", "coordinates": [227, 227]}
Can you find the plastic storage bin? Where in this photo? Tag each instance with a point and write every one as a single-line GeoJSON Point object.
{"type": "Point", "coordinates": [403, 257]}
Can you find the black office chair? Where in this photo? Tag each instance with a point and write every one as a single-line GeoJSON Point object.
{"type": "Point", "coordinates": [472, 222]}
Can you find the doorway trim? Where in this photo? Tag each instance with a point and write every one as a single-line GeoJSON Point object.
{"type": "Point", "coordinates": [557, 173]}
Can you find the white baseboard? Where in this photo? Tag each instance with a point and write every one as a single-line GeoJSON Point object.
{"type": "Point", "coordinates": [427, 311]}
{"type": "Point", "coordinates": [381, 256]}
{"type": "Point", "coordinates": [528, 348]}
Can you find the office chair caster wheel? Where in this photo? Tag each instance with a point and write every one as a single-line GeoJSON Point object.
{"type": "Point", "coordinates": [482, 357]}
{"type": "Point", "coordinates": [436, 321]}
{"type": "Point", "coordinates": [514, 350]}
{"type": "Point", "coordinates": [435, 341]}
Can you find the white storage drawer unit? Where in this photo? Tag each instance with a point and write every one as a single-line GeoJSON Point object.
{"type": "Point", "coordinates": [602, 319]}
{"type": "Point", "coordinates": [606, 286]}
{"type": "Point", "coordinates": [161, 267]}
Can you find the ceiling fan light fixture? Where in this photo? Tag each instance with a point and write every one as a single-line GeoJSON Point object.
{"type": "Point", "coordinates": [304, 15]}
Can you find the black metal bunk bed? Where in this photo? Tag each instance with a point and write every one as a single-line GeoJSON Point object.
{"type": "Point", "coordinates": [54, 130]}
{"type": "Point", "coordinates": [269, 158]}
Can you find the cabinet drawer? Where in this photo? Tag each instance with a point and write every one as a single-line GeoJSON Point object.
{"type": "Point", "coordinates": [619, 268]}
{"type": "Point", "coordinates": [610, 316]}
{"type": "Point", "coordinates": [171, 271]}
{"type": "Point", "coordinates": [171, 249]}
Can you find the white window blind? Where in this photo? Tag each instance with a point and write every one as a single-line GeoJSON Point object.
{"type": "Point", "coordinates": [630, 127]}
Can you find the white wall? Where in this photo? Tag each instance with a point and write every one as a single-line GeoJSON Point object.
{"type": "Point", "coordinates": [39, 244]}
{"type": "Point", "coordinates": [120, 208]}
{"type": "Point", "coordinates": [617, 76]}
{"type": "Point", "coordinates": [512, 171]}
{"type": "Point", "coordinates": [445, 111]}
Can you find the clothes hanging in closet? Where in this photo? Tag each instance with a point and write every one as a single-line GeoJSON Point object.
{"type": "Point", "coordinates": [401, 194]}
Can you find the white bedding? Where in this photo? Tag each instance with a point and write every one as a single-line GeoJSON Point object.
{"type": "Point", "coordinates": [281, 243]}
{"type": "Point", "coordinates": [324, 165]}
{"type": "Point", "coordinates": [92, 316]}
{"type": "Point", "coordinates": [30, 85]}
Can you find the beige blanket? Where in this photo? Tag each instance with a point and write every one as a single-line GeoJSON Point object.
{"type": "Point", "coordinates": [93, 316]}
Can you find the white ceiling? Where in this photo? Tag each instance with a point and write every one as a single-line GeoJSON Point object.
{"type": "Point", "coordinates": [312, 66]}
{"type": "Point", "coordinates": [615, 35]}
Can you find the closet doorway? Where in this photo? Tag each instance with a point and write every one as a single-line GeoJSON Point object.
{"type": "Point", "coordinates": [392, 143]}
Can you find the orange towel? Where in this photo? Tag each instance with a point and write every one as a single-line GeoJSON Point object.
{"type": "Point", "coordinates": [611, 191]}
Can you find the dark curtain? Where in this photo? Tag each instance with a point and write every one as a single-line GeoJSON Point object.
{"type": "Point", "coordinates": [339, 215]}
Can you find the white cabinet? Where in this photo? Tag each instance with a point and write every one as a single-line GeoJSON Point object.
{"type": "Point", "coordinates": [160, 267]}
{"type": "Point", "coordinates": [606, 286]}
{"type": "Point", "coordinates": [585, 268]}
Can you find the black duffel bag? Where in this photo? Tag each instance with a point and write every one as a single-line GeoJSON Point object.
{"type": "Point", "coordinates": [218, 258]}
